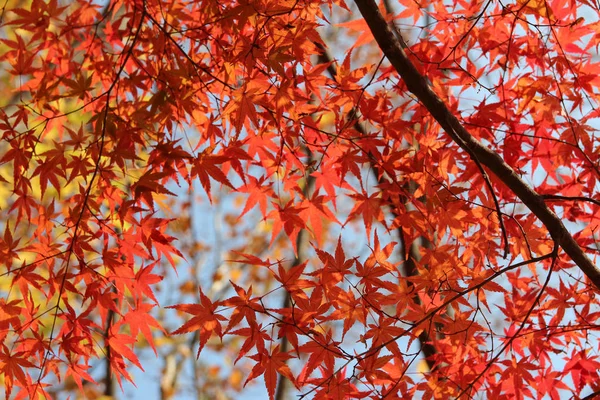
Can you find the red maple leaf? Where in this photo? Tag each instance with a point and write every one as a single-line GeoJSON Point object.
{"type": "Point", "coordinates": [205, 319]}
{"type": "Point", "coordinates": [271, 364]}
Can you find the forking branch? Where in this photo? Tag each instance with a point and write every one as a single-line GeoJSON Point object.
{"type": "Point", "coordinates": [417, 84]}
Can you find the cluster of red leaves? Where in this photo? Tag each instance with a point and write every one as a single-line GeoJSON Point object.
{"type": "Point", "coordinates": [95, 135]}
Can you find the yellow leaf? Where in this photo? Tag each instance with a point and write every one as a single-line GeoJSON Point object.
{"type": "Point", "coordinates": [537, 7]}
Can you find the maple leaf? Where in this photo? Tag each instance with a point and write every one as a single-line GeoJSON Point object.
{"type": "Point", "coordinates": [9, 316]}
{"type": "Point", "coordinates": [335, 385]}
{"type": "Point", "coordinates": [349, 309]}
{"type": "Point", "coordinates": [323, 351]}
{"type": "Point", "coordinates": [270, 365]}
{"type": "Point", "coordinates": [290, 278]}
{"type": "Point", "coordinates": [255, 336]}
{"type": "Point", "coordinates": [79, 372]}
{"type": "Point", "coordinates": [360, 26]}
{"type": "Point", "coordinates": [410, 9]}
{"type": "Point", "coordinates": [140, 320]}
{"type": "Point", "coordinates": [21, 60]}
{"type": "Point", "coordinates": [582, 367]}
{"type": "Point", "coordinates": [243, 106]}
{"type": "Point", "coordinates": [121, 344]}
{"type": "Point", "coordinates": [303, 317]}
{"type": "Point", "coordinates": [251, 259]}
{"type": "Point", "coordinates": [150, 182]}
{"type": "Point", "coordinates": [206, 166]}
{"type": "Point", "coordinates": [205, 319]}
{"type": "Point", "coordinates": [327, 180]}
{"type": "Point", "coordinates": [381, 256]}
{"type": "Point", "coordinates": [245, 307]}
{"type": "Point", "coordinates": [288, 218]}
{"type": "Point", "coordinates": [372, 367]}
{"type": "Point", "coordinates": [385, 333]}
{"type": "Point", "coordinates": [12, 367]}
{"type": "Point", "coordinates": [370, 207]}
{"type": "Point", "coordinates": [335, 267]}
{"type": "Point", "coordinates": [537, 7]}
{"type": "Point", "coordinates": [162, 245]}
{"type": "Point", "coordinates": [316, 212]}
{"type": "Point", "coordinates": [260, 191]}
{"type": "Point", "coordinates": [144, 278]}
{"type": "Point", "coordinates": [80, 87]}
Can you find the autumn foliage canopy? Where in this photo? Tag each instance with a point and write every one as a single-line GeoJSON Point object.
{"type": "Point", "coordinates": [336, 200]}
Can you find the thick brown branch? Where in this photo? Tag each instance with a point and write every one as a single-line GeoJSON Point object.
{"type": "Point", "coordinates": [418, 85]}
{"type": "Point", "coordinates": [109, 387]}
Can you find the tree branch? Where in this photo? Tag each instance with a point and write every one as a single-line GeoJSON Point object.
{"type": "Point", "coordinates": [417, 84]}
{"type": "Point", "coordinates": [302, 243]}
{"type": "Point", "coordinates": [410, 252]}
